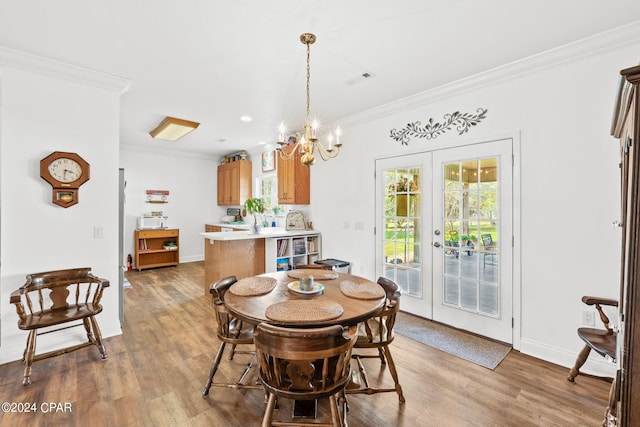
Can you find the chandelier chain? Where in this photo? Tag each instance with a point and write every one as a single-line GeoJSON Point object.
{"type": "Point", "coordinates": [308, 80]}
{"type": "Point", "coordinates": [306, 144]}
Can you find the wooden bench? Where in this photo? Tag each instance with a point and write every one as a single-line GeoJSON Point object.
{"type": "Point", "coordinates": [56, 298]}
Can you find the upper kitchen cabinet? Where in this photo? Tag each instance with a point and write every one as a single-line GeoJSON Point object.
{"type": "Point", "coordinates": [293, 180]}
{"type": "Point", "coordinates": [234, 183]}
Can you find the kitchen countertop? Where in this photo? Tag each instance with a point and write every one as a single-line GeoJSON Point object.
{"type": "Point", "coordinates": [265, 233]}
{"type": "Point", "coordinates": [240, 226]}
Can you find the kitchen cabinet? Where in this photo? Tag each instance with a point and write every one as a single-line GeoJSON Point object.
{"type": "Point", "coordinates": [293, 180]}
{"type": "Point", "coordinates": [156, 248]}
{"type": "Point", "coordinates": [223, 258]}
{"type": "Point", "coordinates": [234, 183]}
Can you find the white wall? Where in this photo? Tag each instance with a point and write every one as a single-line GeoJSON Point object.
{"type": "Point", "coordinates": [192, 184]}
{"type": "Point", "coordinates": [559, 106]}
{"type": "Point", "coordinates": [47, 106]}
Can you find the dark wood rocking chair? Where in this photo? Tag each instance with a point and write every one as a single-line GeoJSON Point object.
{"type": "Point", "coordinates": [230, 331]}
{"type": "Point", "coordinates": [603, 341]}
{"type": "Point", "coordinates": [378, 334]}
{"type": "Point", "coordinates": [55, 298]}
{"type": "Point", "coordinates": [305, 365]}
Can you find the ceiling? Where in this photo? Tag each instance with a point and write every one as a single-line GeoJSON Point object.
{"type": "Point", "coordinates": [212, 61]}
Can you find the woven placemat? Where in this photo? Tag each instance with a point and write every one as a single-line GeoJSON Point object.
{"type": "Point", "coordinates": [316, 274]}
{"type": "Point", "coordinates": [252, 286]}
{"type": "Point", "coordinates": [296, 311]}
{"type": "Point", "coordinates": [361, 290]}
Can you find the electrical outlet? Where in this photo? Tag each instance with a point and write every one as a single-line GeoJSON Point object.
{"type": "Point", "coordinates": [588, 318]}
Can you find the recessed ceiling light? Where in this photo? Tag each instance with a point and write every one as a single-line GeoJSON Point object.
{"type": "Point", "coordinates": [261, 142]}
{"type": "Point", "coordinates": [246, 118]}
{"type": "Point", "coordinates": [221, 140]}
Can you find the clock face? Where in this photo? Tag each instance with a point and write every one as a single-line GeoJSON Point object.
{"type": "Point", "coordinates": [65, 170]}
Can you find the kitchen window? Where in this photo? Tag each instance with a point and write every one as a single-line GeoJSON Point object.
{"type": "Point", "coordinates": [267, 190]}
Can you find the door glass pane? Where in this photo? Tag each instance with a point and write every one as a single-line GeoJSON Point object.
{"type": "Point", "coordinates": [469, 294]}
{"type": "Point", "coordinates": [402, 220]}
{"type": "Point", "coordinates": [470, 176]}
{"type": "Point", "coordinates": [489, 298]}
{"type": "Point", "coordinates": [451, 292]}
{"type": "Point", "coordinates": [470, 222]}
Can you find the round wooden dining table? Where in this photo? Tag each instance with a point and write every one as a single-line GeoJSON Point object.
{"type": "Point", "coordinates": [256, 308]}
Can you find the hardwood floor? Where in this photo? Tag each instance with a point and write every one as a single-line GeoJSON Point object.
{"type": "Point", "coordinates": [156, 371]}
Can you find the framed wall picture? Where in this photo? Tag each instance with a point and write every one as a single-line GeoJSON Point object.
{"type": "Point", "coordinates": [268, 161]}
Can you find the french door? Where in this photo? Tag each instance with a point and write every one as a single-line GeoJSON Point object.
{"type": "Point", "coordinates": [444, 231]}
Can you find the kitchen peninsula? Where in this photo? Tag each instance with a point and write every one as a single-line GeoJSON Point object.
{"type": "Point", "coordinates": [243, 253]}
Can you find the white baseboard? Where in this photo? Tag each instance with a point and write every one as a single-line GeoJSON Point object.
{"type": "Point", "coordinates": [595, 365]}
{"type": "Point", "coordinates": [192, 258]}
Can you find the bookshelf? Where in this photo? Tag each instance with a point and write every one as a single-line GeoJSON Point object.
{"type": "Point", "coordinates": [156, 248]}
{"type": "Point", "coordinates": [284, 252]}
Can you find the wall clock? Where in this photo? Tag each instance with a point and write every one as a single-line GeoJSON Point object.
{"type": "Point", "coordinates": [66, 172]}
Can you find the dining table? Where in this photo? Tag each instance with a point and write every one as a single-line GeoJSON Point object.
{"type": "Point", "coordinates": [276, 298]}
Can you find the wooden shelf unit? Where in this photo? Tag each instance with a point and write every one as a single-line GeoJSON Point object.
{"type": "Point", "coordinates": [150, 251]}
{"type": "Point", "coordinates": [284, 252]}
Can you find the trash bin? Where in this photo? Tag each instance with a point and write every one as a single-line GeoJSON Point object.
{"type": "Point", "coordinates": [336, 265]}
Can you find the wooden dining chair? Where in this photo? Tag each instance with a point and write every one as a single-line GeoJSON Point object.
{"type": "Point", "coordinates": [230, 331]}
{"type": "Point", "coordinates": [377, 333]}
{"type": "Point", "coordinates": [603, 341]}
{"type": "Point", "coordinates": [305, 365]}
{"type": "Point", "coordinates": [54, 299]}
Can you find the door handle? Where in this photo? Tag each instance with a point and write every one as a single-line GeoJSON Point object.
{"type": "Point", "coordinates": [437, 244]}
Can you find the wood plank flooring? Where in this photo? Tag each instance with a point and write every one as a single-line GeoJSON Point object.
{"type": "Point", "coordinates": [156, 371]}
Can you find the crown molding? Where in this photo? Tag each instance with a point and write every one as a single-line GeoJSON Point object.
{"type": "Point", "coordinates": [590, 46]}
{"type": "Point", "coordinates": [151, 149]}
{"type": "Point", "coordinates": [49, 67]}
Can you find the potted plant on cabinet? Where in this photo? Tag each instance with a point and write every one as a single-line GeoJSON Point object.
{"type": "Point", "coordinates": [254, 206]}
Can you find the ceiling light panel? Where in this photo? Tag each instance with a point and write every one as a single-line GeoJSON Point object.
{"type": "Point", "coordinates": [172, 129]}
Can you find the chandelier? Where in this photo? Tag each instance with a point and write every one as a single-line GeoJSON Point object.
{"type": "Point", "coordinates": [307, 143]}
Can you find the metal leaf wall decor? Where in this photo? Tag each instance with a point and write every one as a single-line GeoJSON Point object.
{"type": "Point", "coordinates": [432, 130]}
